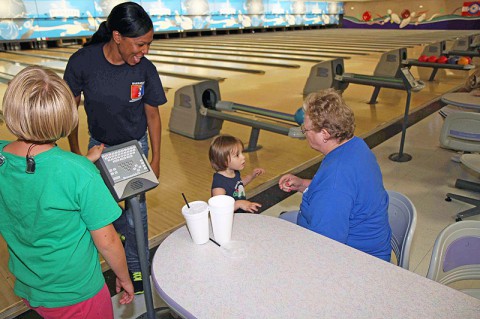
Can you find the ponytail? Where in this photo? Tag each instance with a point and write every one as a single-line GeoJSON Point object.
{"type": "Point", "coordinates": [102, 35]}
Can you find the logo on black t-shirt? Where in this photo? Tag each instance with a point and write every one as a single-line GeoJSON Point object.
{"type": "Point", "coordinates": [239, 192]}
{"type": "Point", "coordinates": [137, 89]}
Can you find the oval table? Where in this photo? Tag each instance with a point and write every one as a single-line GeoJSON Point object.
{"type": "Point", "coordinates": [287, 271]}
{"type": "Point", "coordinates": [462, 99]}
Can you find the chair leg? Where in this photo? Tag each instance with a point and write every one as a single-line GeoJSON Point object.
{"type": "Point", "coordinates": [463, 184]}
{"type": "Point", "coordinates": [468, 213]}
{"type": "Point", "coordinates": [471, 201]}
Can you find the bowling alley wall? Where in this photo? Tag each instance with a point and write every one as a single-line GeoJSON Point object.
{"type": "Point", "coordinates": [23, 20]}
{"type": "Point", "coordinates": [412, 14]}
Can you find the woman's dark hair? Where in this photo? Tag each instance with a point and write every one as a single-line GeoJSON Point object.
{"type": "Point", "coordinates": [128, 18]}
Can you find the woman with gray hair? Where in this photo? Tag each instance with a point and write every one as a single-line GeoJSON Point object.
{"type": "Point", "coordinates": [346, 200]}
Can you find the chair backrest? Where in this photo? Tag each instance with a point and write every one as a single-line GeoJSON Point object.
{"type": "Point", "coordinates": [461, 132]}
{"type": "Point", "coordinates": [402, 217]}
{"type": "Point", "coordinates": [456, 253]}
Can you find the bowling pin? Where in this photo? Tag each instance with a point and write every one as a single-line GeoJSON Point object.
{"type": "Point", "coordinates": [395, 18]}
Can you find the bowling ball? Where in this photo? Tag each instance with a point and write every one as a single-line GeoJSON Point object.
{"type": "Point", "coordinates": [367, 16]}
{"type": "Point", "coordinates": [432, 59]}
{"type": "Point", "coordinates": [422, 58]}
{"type": "Point", "coordinates": [442, 59]}
{"type": "Point", "coordinates": [453, 60]}
{"type": "Point", "coordinates": [299, 116]}
{"type": "Point", "coordinates": [469, 59]}
{"type": "Point", "coordinates": [462, 61]}
{"type": "Point", "coordinates": [405, 14]}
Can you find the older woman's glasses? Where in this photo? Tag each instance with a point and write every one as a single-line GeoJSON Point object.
{"type": "Point", "coordinates": [304, 129]}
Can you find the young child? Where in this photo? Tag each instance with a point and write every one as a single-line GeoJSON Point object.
{"type": "Point", "coordinates": [55, 210]}
{"type": "Point", "coordinates": [227, 159]}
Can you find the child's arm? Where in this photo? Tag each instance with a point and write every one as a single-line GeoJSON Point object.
{"type": "Point", "coordinates": [256, 172]}
{"type": "Point", "coordinates": [243, 204]}
{"type": "Point", "coordinates": [218, 191]}
{"type": "Point", "coordinates": [247, 206]}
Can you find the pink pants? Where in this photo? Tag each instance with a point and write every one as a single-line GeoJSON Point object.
{"type": "Point", "coordinates": [97, 307]}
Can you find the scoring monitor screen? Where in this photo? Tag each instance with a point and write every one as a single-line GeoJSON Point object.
{"type": "Point", "coordinates": [124, 163]}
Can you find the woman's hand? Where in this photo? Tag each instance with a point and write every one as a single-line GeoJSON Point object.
{"type": "Point", "coordinates": [155, 165]}
{"type": "Point", "coordinates": [95, 152]}
{"type": "Point", "coordinates": [290, 182]}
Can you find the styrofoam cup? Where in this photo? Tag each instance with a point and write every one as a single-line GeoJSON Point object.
{"type": "Point", "coordinates": [197, 221]}
{"type": "Point", "coordinates": [221, 213]}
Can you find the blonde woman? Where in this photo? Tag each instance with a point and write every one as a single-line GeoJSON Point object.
{"type": "Point", "coordinates": [55, 210]}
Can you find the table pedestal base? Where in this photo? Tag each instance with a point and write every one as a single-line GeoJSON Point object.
{"type": "Point", "coordinates": [397, 157]}
{"type": "Point", "coordinates": [160, 313]}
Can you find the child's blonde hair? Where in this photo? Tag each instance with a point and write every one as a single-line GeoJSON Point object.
{"type": "Point", "coordinates": [221, 149]}
{"type": "Point", "coordinates": [38, 106]}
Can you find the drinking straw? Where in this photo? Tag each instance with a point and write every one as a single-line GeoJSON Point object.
{"type": "Point", "coordinates": [215, 242]}
{"type": "Point", "coordinates": [185, 199]}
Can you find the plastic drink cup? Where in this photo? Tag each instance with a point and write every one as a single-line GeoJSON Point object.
{"type": "Point", "coordinates": [197, 221]}
{"type": "Point", "coordinates": [221, 213]}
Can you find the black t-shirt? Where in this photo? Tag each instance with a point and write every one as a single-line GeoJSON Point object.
{"type": "Point", "coordinates": [114, 95]}
{"type": "Point", "coordinates": [233, 186]}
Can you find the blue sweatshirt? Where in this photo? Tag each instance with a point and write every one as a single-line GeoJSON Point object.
{"type": "Point", "coordinates": [346, 200]}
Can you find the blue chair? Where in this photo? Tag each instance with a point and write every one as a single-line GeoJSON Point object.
{"type": "Point", "coordinates": [402, 217]}
{"type": "Point", "coordinates": [456, 255]}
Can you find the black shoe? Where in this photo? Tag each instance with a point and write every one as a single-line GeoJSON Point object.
{"type": "Point", "coordinates": [136, 278]}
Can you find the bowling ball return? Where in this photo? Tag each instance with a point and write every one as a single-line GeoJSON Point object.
{"type": "Point", "coordinates": [198, 113]}
{"type": "Point", "coordinates": [389, 73]}
{"type": "Point", "coordinates": [465, 46]}
{"type": "Point", "coordinates": [436, 49]}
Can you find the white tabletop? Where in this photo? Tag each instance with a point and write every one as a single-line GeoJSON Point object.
{"type": "Point", "coordinates": [291, 272]}
{"type": "Point", "coordinates": [462, 99]}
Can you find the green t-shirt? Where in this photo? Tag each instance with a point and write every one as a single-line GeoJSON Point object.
{"type": "Point", "coordinates": [45, 218]}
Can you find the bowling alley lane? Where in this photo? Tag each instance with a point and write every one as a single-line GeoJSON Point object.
{"type": "Point", "coordinates": [247, 48]}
